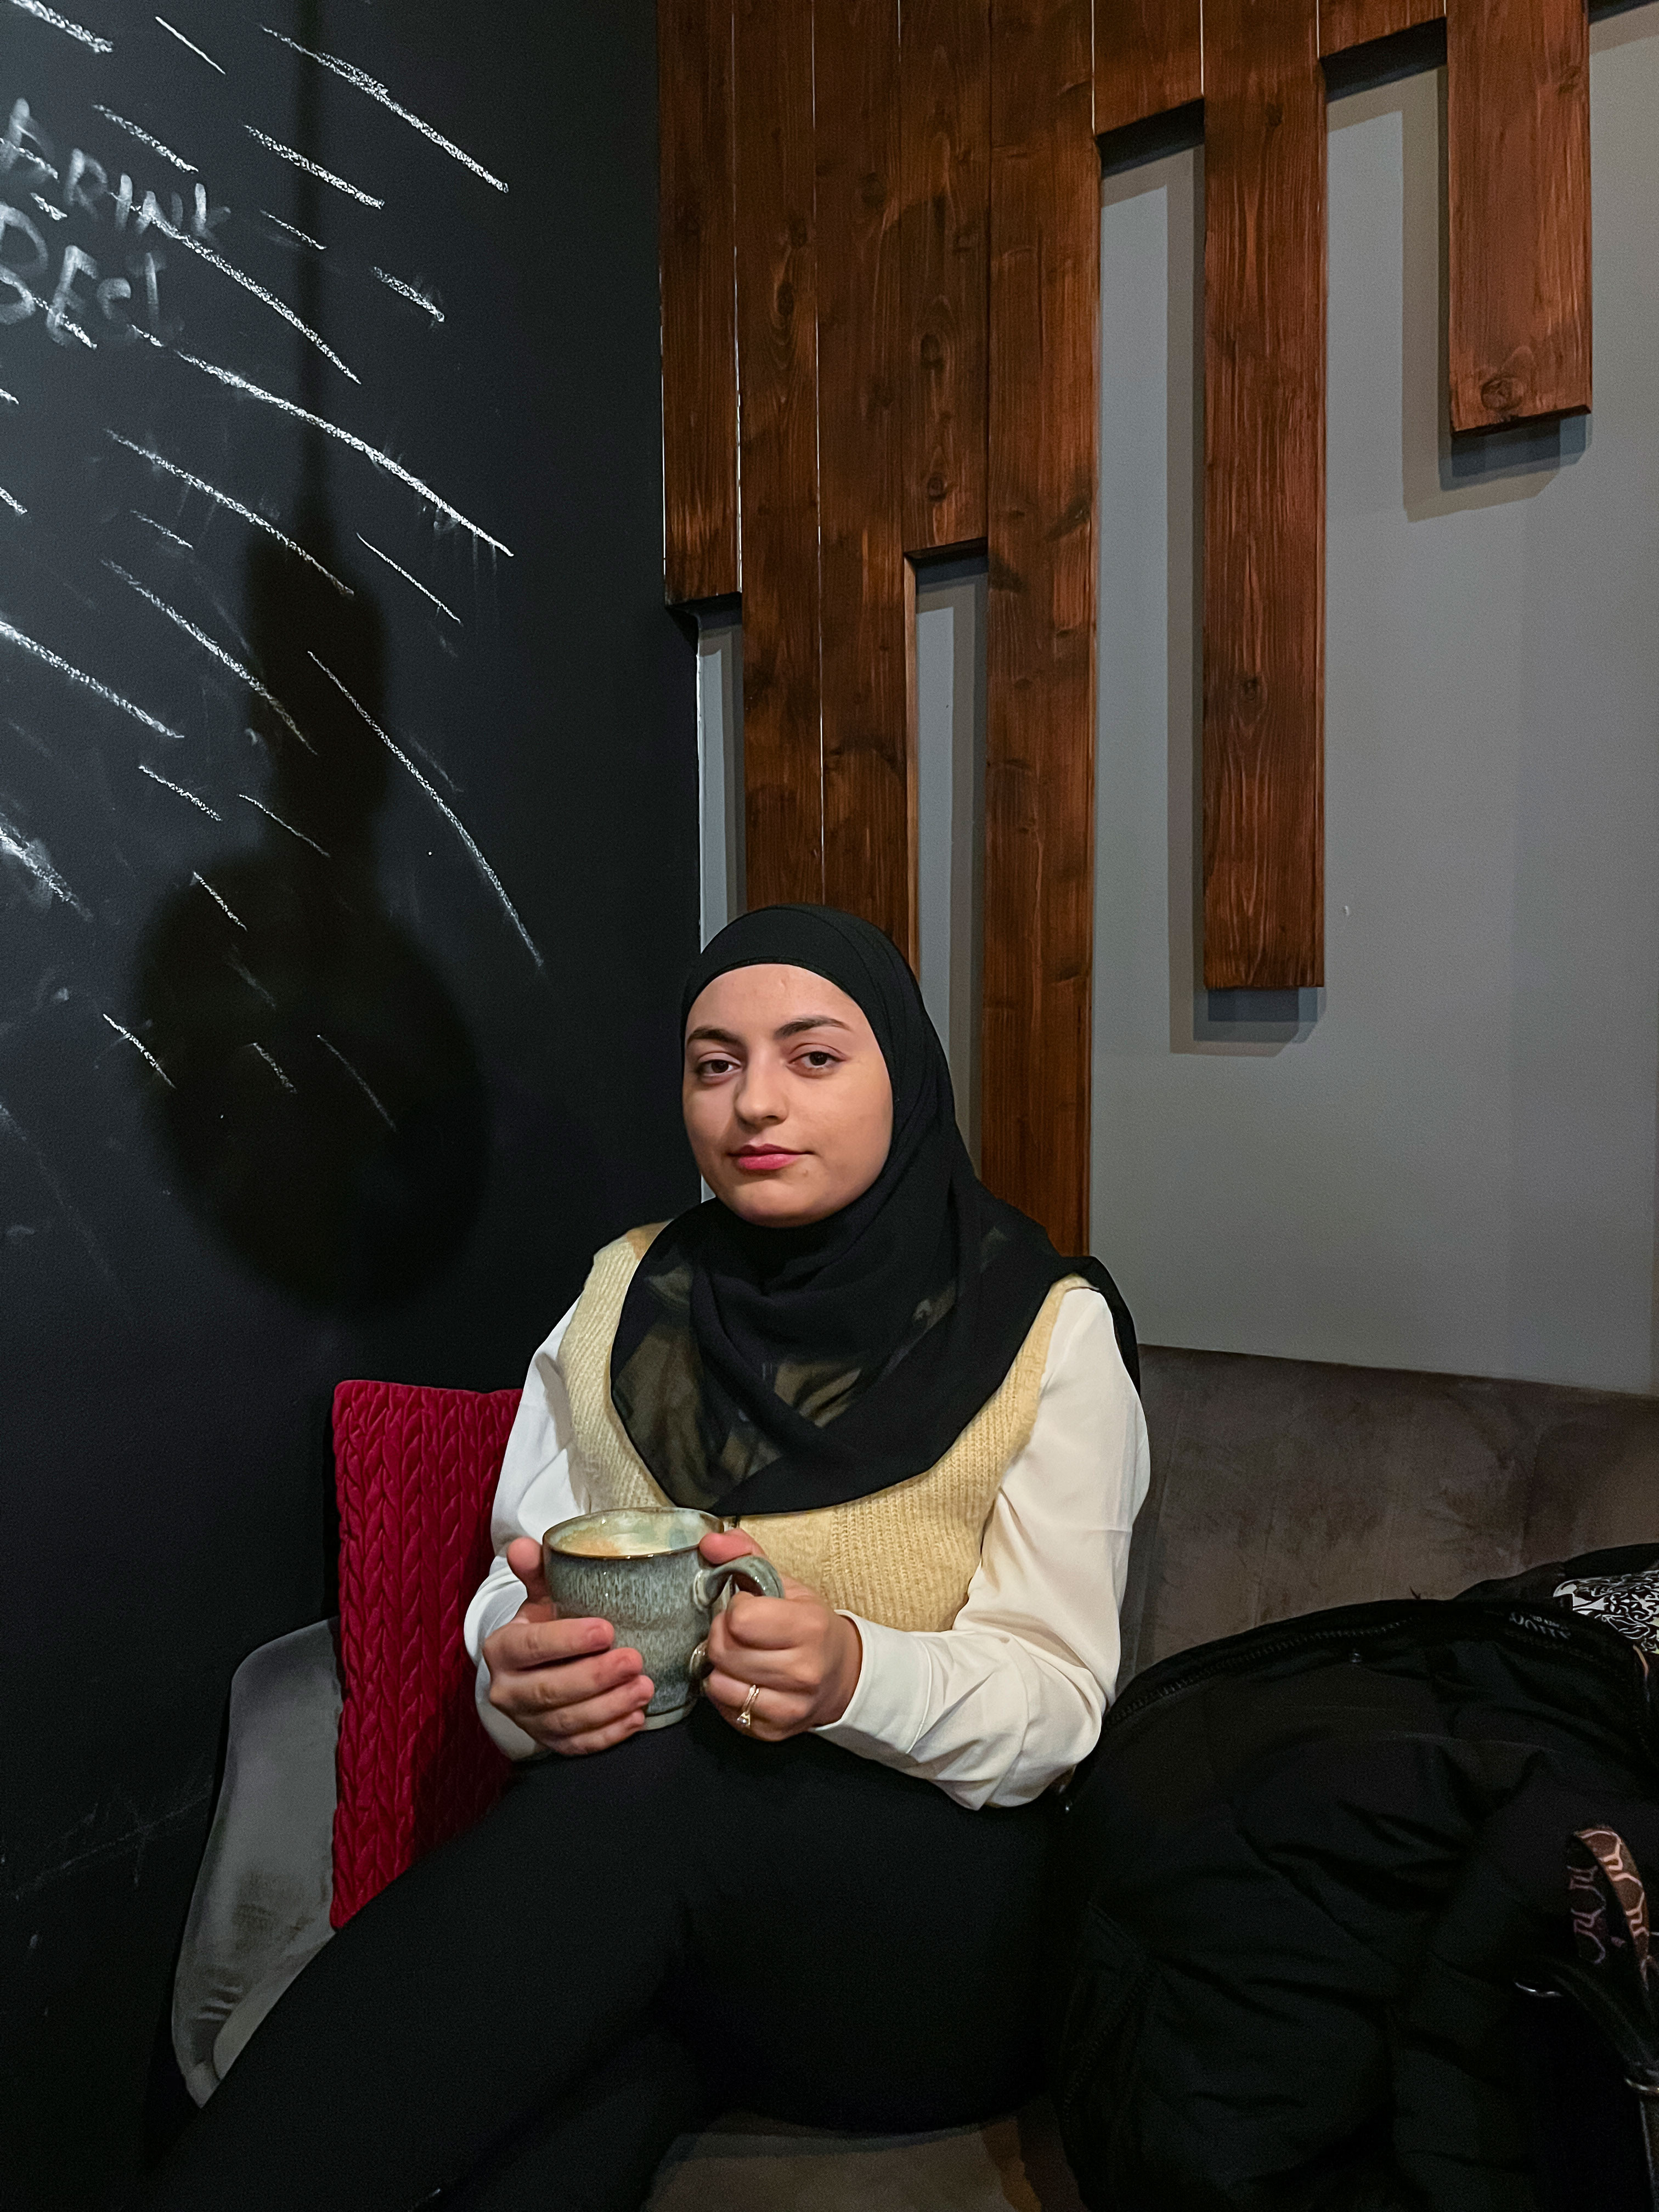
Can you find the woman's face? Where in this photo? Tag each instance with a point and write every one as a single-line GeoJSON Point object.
{"type": "Point", "coordinates": [787, 1101]}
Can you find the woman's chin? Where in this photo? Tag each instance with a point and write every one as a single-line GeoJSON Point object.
{"type": "Point", "coordinates": [772, 1203]}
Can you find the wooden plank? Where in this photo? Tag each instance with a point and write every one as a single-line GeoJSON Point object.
{"type": "Point", "coordinates": [1518, 159]}
{"type": "Point", "coordinates": [868, 864]}
{"type": "Point", "coordinates": [777, 344]}
{"type": "Point", "coordinates": [699, 338]}
{"type": "Point", "coordinates": [1040, 734]}
{"type": "Point", "coordinates": [944, 138]}
{"type": "Point", "coordinates": [1149, 58]}
{"type": "Point", "coordinates": [1346, 23]}
{"type": "Point", "coordinates": [1264, 496]}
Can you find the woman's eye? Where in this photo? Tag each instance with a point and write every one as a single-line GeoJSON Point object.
{"type": "Point", "coordinates": [819, 1059]}
{"type": "Point", "coordinates": [715, 1068]}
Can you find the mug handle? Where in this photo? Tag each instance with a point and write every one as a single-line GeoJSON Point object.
{"type": "Point", "coordinates": [712, 1582]}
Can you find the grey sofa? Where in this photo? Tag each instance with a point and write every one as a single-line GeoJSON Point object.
{"type": "Point", "coordinates": [1278, 1488]}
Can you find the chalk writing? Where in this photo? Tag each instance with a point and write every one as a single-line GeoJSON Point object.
{"type": "Point", "coordinates": [363, 83]}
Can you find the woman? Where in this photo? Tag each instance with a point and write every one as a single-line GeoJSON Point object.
{"type": "Point", "coordinates": [819, 1896]}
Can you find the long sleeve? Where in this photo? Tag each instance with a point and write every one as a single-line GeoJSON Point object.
{"type": "Point", "coordinates": [1010, 1698]}
{"type": "Point", "coordinates": [534, 1491]}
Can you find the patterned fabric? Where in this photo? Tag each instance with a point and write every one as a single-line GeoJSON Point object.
{"type": "Point", "coordinates": [1609, 1906]}
{"type": "Point", "coordinates": [1629, 1603]}
{"type": "Point", "coordinates": [415, 1471]}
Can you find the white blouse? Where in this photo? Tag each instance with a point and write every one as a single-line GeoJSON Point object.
{"type": "Point", "coordinates": [1006, 1700]}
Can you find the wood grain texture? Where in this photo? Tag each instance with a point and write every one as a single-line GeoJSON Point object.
{"type": "Point", "coordinates": [1264, 496]}
{"type": "Point", "coordinates": [944, 136]}
{"type": "Point", "coordinates": [1346, 23]}
{"type": "Point", "coordinates": [1149, 58]}
{"type": "Point", "coordinates": [699, 339]}
{"type": "Point", "coordinates": [777, 346]}
{"type": "Point", "coordinates": [869, 867]}
{"type": "Point", "coordinates": [1517, 158]}
{"type": "Point", "coordinates": [1040, 733]}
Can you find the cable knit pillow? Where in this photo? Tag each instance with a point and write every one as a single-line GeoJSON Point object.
{"type": "Point", "coordinates": [416, 1470]}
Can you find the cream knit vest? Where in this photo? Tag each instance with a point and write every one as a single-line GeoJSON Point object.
{"type": "Point", "coordinates": [903, 1556]}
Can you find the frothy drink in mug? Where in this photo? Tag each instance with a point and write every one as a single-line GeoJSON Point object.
{"type": "Point", "coordinates": [639, 1568]}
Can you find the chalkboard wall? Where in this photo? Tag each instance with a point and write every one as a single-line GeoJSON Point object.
{"type": "Point", "coordinates": [348, 860]}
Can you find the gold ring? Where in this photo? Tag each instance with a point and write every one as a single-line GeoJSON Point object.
{"type": "Point", "coordinates": [744, 1720]}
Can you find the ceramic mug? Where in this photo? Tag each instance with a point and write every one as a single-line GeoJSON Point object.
{"type": "Point", "coordinates": [638, 1567]}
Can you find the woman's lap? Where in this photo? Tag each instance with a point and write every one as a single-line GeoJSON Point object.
{"type": "Point", "coordinates": [836, 1943]}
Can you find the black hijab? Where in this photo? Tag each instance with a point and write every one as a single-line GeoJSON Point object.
{"type": "Point", "coordinates": [771, 1371]}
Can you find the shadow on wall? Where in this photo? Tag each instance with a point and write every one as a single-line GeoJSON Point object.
{"type": "Point", "coordinates": [324, 1110]}
{"type": "Point", "coordinates": [326, 1117]}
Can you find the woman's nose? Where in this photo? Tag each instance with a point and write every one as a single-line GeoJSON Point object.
{"type": "Point", "coordinates": [760, 1096]}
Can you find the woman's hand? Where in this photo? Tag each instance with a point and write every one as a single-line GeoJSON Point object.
{"type": "Point", "coordinates": [560, 1680]}
{"type": "Point", "coordinates": [801, 1658]}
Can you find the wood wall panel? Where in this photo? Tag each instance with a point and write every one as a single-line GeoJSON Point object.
{"type": "Point", "coordinates": [1518, 156]}
{"type": "Point", "coordinates": [1345, 23]}
{"type": "Point", "coordinates": [868, 863]}
{"type": "Point", "coordinates": [945, 66]}
{"type": "Point", "coordinates": [699, 339]}
{"type": "Point", "coordinates": [1264, 496]}
{"type": "Point", "coordinates": [1040, 735]}
{"type": "Point", "coordinates": [1149, 58]}
{"type": "Point", "coordinates": [777, 348]}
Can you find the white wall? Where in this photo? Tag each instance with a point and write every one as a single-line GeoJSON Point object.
{"type": "Point", "coordinates": [1448, 1161]}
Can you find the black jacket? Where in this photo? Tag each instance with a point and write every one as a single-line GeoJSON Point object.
{"type": "Point", "coordinates": [1297, 1880]}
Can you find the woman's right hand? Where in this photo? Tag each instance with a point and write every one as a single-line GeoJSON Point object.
{"type": "Point", "coordinates": [560, 1680]}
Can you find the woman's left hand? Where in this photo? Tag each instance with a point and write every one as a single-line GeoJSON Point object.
{"type": "Point", "coordinates": [798, 1656]}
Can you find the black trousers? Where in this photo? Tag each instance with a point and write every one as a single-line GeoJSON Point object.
{"type": "Point", "coordinates": [530, 2016]}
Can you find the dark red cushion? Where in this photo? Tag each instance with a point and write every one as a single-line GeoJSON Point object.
{"type": "Point", "coordinates": [415, 1471]}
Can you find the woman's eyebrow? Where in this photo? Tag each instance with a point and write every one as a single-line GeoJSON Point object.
{"type": "Point", "coordinates": [808, 1022]}
{"type": "Point", "coordinates": [714, 1037]}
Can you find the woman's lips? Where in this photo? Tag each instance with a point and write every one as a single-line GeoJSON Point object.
{"type": "Point", "coordinates": [764, 1161]}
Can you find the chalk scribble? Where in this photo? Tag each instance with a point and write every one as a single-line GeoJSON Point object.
{"type": "Point", "coordinates": [202, 884]}
{"type": "Point", "coordinates": [171, 534]}
{"type": "Point", "coordinates": [363, 83]}
{"type": "Point", "coordinates": [79, 676]}
{"type": "Point", "coordinates": [408, 292]}
{"type": "Point", "coordinates": [224, 499]}
{"type": "Point", "coordinates": [31, 855]}
{"type": "Point", "coordinates": [408, 579]}
{"type": "Point", "coordinates": [191, 43]}
{"type": "Point", "coordinates": [304, 236]}
{"type": "Point", "coordinates": [168, 784]}
{"type": "Point", "coordinates": [447, 811]}
{"type": "Point", "coordinates": [16, 505]}
{"type": "Point", "coordinates": [60, 1196]}
{"type": "Point", "coordinates": [356, 1078]}
{"type": "Point", "coordinates": [211, 645]}
{"type": "Point", "coordinates": [267, 299]}
{"type": "Point", "coordinates": [53, 214]}
{"type": "Point", "coordinates": [280, 824]}
{"type": "Point", "coordinates": [141, 1050]}
{"type": "Point", "coordinates": [346, 438]}
{"type": "Point", "coordinates": [272, 1066]}
{"type": "Point", "coordinates": [136, 131]}
{"type": "Point", "coordinates": [62, 23]}
{"type": "Point", "coordinates": [312, 168]}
